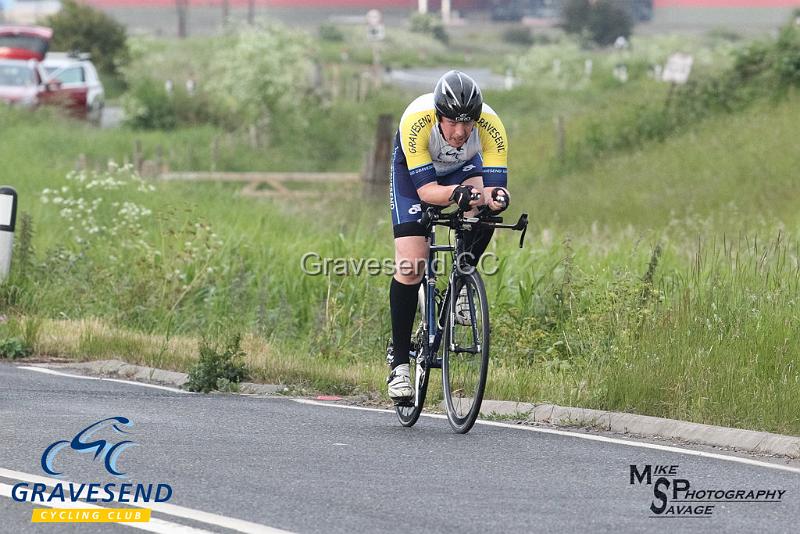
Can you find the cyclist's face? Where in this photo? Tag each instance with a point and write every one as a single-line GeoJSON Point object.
{"type": "Point", "coordinates": [456, 133]}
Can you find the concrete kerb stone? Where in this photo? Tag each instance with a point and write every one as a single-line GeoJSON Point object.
{"type": "Point", "coordinates": [626, 423]}
{"type": "Point", "coordinates": [623, 423]}
{"type": "Point", "coordinates": [140, 373]}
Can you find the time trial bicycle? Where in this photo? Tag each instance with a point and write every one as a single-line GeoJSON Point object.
{"type": "Point", "coordinates": [453, 332]}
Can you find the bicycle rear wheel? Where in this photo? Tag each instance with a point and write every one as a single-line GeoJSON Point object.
{"type": "Point", "coordinates": [465, 360]}
{"type": "Point", "coordinates": [409, 412]}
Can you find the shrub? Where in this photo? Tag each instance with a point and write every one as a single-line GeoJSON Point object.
{"type": "Point", "coordinates": [429, 24]}
{"type": "Point", "coordinates": [764, 69]}
{"type": "Point", "coordinates": [520, 35]}
{"type": "Point", "coordinates": [218, 370]}
{"type": "Point", "coordinates": [787, 56]}
{"type": "Point", "coordinates": [84, 28]}
{"type": "Point", "coordinates": [330, 32]}
{"type": "Point", "coordinates": [14, 348]}
{"type": "Point", "coordinates": [264, 71]}
{"type": "Point", "coordinates": [148, 106]}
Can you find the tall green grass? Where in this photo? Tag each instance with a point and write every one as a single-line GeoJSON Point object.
{"type": "Point", "coordinates": [653, 280]}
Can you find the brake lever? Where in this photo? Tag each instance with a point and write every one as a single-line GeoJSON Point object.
{"type": "Point", "coordinates": [522, 224]}
{"type": "Point", "coordinates": [428, 217]}
{"type": "Point", "coordinates": [425, 220]}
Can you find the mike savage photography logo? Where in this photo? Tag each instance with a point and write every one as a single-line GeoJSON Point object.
{"type": "Point", "coordinates": [80, 502]}
{"type": "Point", "coordinates": [676, 497]}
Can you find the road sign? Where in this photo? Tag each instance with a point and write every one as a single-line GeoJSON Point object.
{"type": "Point", "coordinates": [376, 31]}
{"type": "Point", "coordinates": [8, 219]}
{"type": "Point", "coordinates": [374, 17]}
{"type": "Point", "coordinates": [678, 68]}
{"type": "Point", "coordinates": [8, 208]}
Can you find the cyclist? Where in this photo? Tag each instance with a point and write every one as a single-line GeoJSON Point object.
{"type": "Point", "coordinates": [450, 148]}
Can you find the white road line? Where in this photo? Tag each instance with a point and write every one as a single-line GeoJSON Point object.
{"type": "Point", "coordinates": [590, 437]}
{"type": "Point", "coordinates": [154, 525]}
{"type": "Point", "coordinates": [231, 523]}
{"type": "Point", "coordinates": [47, 371]}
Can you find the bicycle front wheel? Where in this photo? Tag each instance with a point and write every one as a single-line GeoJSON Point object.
{"type": "Point", "coordinates": [465, 359]}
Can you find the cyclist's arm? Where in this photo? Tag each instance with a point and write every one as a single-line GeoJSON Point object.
{"type": "Point", "coordinates": [415, 133]}
{"type": "Point", "coordinates": [438, 195]}
{"type": "Point", "coordinates": [494, 149]}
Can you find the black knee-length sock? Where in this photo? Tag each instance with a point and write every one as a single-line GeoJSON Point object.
{"type": "Point", "coordinates": [403, 304]}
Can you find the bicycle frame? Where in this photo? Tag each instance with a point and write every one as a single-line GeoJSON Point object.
{"type": "Point", "coordinates": [433, 328]}
{"type": "Point", "coordinates": [436, 320]}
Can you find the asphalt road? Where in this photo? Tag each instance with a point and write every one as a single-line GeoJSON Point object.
{"type": "Point", "coordinates": [304, 467]}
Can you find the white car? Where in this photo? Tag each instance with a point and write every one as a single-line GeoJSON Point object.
{"type": "Point", "coordinates": [78, 78]}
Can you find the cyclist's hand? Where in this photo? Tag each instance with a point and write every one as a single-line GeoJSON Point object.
{"type": "Point", "coordinates": [498, 199]}
{"type": "Point", "coordinates": [466, 197]}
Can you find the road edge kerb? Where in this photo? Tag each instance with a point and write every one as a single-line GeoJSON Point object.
{"type": "Point", "coordinates": [645, 425]}
{"type": "Point", "coordinates": [150, 375]}
{"type": "Point", "coordinates": [623, 423]}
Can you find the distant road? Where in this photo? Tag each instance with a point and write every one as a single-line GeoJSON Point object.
{"type": "Point", "coordinates": [425, 79]}
{"type": "Point", "coordinates": [112, 117]}
{"type": "Point", "coordinates": [250, 464]}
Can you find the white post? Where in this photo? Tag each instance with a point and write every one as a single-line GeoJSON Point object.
{"type": "Point", "coordinates": [423, 6]}
{"type": "Point", "coordinates": [8, 219]}
{"type": "Point", "coordinates": [446, 12]}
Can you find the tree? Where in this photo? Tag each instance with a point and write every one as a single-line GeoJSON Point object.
{"type": "Point", "coordinates": [79, 27]}
{"type": "Point", "coordinates": [575, 16]}
{"type": "Point", "coordinates": [600, 21]}
{"type": "Point", "coordinates": [607, 21]}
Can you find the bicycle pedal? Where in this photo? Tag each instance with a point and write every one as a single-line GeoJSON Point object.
{"type": "Point", "coordinates": [406, 403]}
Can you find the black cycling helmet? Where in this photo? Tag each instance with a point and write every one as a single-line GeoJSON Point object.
{"type": "Point", "coordinates": [457, 97]}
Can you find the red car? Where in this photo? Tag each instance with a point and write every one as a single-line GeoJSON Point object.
{"type": "Point", "coordinates": [24, 42]}
{"type": "Point", "coordinates": [25, 83]}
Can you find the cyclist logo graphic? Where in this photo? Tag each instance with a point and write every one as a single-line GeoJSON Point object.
{"type": "Point", "coordinates": [448, 154]}
{"type": "Point", "coordinates": [82, 443]}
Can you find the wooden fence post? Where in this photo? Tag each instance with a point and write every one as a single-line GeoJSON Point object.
{"type": "Point", "coordinates": [561, 139]}
{"type": "Point", "coordinates": [137, 156]}
{"type": "Point", "coordinates": [160, 160]}
{"type": "Point", "coordinates": [336, 80]}
{"type": "Point", "coordinates": [214, 153]}
{"type": "Point", "coordinates": [377, 171]}
{"type": "Point", "coordinates": [253, 135]}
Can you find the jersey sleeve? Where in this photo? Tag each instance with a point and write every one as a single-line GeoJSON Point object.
{"type": "Point", "coordinates": [494, 148]}
{"type": "Point", "coordinates": [415, 133]}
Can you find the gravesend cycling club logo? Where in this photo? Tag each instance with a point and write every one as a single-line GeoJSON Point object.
{"type": "Point", "coordinates": [100, 447]}
{"type": "Point", "coordinates": [106, 440]}
{"type": "Point", "coordinates": [674, 496]}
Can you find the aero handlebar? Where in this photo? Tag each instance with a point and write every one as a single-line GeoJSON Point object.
{"type": "Point", "coordinates": [484, 217]}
